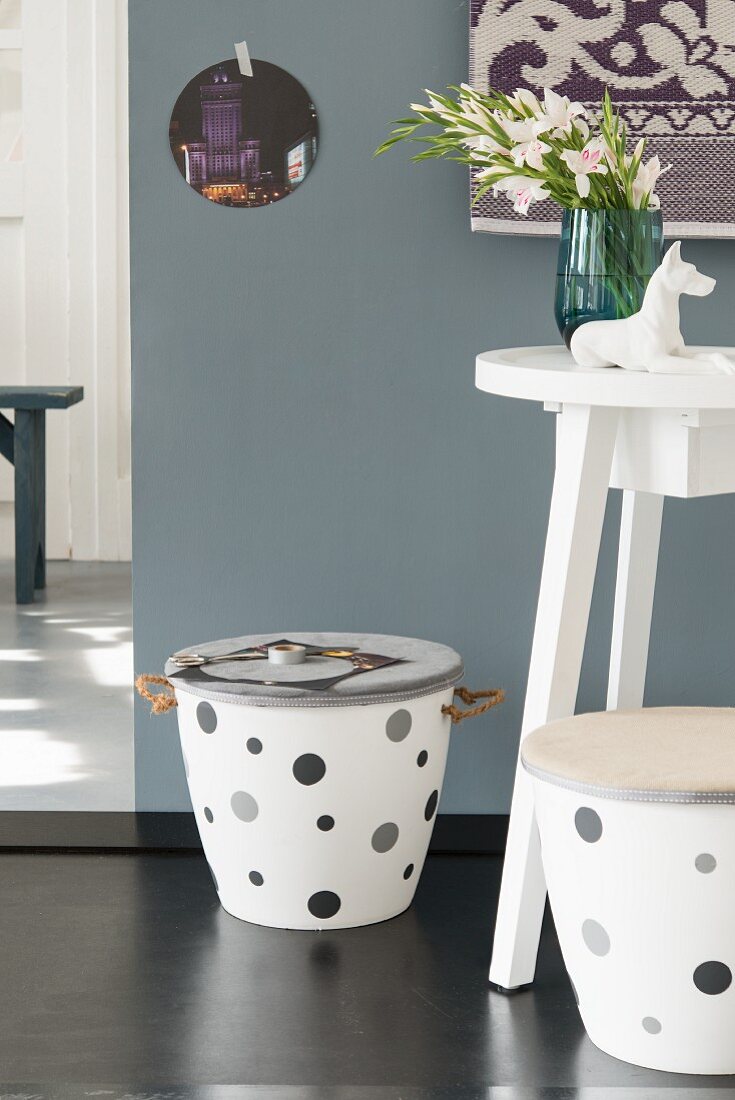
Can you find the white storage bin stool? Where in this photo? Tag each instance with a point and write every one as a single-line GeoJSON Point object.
{"type": "Point", "coordinates": [636, 812]}
{"type": "Point", "coordinates": [315, 776]}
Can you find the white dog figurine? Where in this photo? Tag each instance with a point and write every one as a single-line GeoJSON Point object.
{"type": "Point", "coordinates": [650, 339]}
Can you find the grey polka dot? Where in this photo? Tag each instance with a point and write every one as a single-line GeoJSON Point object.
{"type": "Point", "coordinates": [422, 757]}
{"type": "Point", "coordinates": [324, 904]}
{"type": "Point", "coordinates": [208, 814]}
{"type": "Point", "coordinates": [325, 823]}
{"type": "Point", "coordinates": [596, 938]}
{"type": "Point", "coordinates": [254, 746]}
{"type": "Point", "coordinates": [206, 717]}
{"type": "Point", "coordinates": [408, 872]}
{"type": "Point", "coordinates": [588, 824]}
{"type": "Point", "coordinates": [244, 806]}
{"type": "Point", "coordinates": [398, 725]}
{"type": "Point", "coordinates": [431, 802]}
{"type": "Point", "coordinates": [651, 1025]}
{"type": "Point", "coordinates": [309, 769]}
{"type": "Point", "coordinates": [712, 977]}
{"type": "Point", "coordinates": [256, 878]}
{"type": "Point", "coordinates": [385, 836]}
{"type": "Point", "coordinates": [705, 863]}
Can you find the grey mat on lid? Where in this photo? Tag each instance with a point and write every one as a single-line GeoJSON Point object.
{"type": "Point", "coordinates": [425, 667]}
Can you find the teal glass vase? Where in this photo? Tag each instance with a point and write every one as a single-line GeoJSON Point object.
{"type": "Point", "coordinates": [606, 258]}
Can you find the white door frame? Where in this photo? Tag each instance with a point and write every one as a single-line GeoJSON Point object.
{"type": "Point", "coordinates": [76, 264]}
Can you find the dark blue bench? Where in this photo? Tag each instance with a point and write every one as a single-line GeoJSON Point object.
{"type": "Point", "coordinates": [24, 445]}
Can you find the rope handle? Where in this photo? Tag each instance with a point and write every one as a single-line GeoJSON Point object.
{"type": "Point", "coordinates": [494, 697]}
{"type": "Point", "coordinates": [160, 701]}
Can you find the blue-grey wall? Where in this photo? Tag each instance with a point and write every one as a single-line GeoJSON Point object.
{"type": "Point", "coordinates": [309, 449]}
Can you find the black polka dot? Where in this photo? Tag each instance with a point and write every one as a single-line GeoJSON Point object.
{"type": "Point", "coordinates": [385, 837]}
{"type": "Point", "coordinates": [254, 746]}
{"type": "Point", "coordinates": [208, 814]}
{"type": "Point", "coordinates": [712, 977]}
{"type": "Point", "coordinates": [206, 717]}
{"type": "Point", "coordinates": [256, 878]}
{"type": "Point", "coordinates": [398, 725]}
{"type": "Point", "coordinates": [325, 823]}
{"type": "Point", "coordinates": [309, 769]}
{"type": "Point", "coordinates": [324, 904]}
{"type": "Point", "coordinates": [430, 809]}
{"type": "Point", "coordinates": [422, 757]}
{"type": "Point", "coordinates": [408, 872]}
{"type": "Point", "coordinates": [588, 824]}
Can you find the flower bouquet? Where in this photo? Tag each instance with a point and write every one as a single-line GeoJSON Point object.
{"type": "Point", "coordinates": [532, 150]}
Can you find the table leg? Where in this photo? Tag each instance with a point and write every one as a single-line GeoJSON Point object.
{"type": "Point", "coordinates": [585, 444]}
{"type": "Point", "coordinates": [640, 534]}
{"type": "Point", "coordinates": [28, 453]}
{"type": "Point", "coordinates": [39, 443]}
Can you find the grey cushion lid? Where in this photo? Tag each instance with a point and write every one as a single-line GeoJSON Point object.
{"type": "Point", "coordinates": [426, 667]}
{"type": "Point", "coordinates": [657, 754]}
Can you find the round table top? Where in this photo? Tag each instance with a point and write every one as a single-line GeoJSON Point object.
{"type": "Point", "coordinates": [550, 374]}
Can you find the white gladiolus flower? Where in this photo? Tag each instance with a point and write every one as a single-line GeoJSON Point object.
{"type": "Point", "coordinates": [638, 151]}
{"type": "Point", "coordinates": [519, 132]}
{"type": "Point", "coordinates": [581, 125]}
{"type": "Point", "coordinates": [530, 153]}
{"type": "Point", "coordinates": [524, 98]}
{"type": "Point", "coordinates": [522, 192]}
{"type": "Point", "coordinates": [483, 143]}
{"type": "Point", "coordinates": [590, 160]}
{"type": "Point", "coordinates": [645, 181]}
{"type": "Point", "coordinates": [531, 148]}
{"type": "Point", "coordinates": [558, 113]}
{"type": "Point", "coordinates": [473, 113]}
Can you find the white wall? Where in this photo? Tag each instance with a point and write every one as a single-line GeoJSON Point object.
{"type": "Point", "coordinates": [64, 258]}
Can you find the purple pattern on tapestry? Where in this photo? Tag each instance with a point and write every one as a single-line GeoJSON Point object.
{"type": "Point", "coordinates": [670, 68]}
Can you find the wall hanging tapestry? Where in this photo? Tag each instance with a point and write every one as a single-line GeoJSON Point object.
{"type": "Point", "coordinates": [670, 68]}
{"type": "Point", "coordinates": [244, 141]}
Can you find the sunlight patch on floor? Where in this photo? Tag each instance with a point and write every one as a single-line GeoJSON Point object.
{"type": "Point", "coordinates": [15, 705]}
{"type": "Point", "coordinates": [112, 666]}
{"type": "Point", "coordinates": [33, 758]}
{"type": "Point", "coordinates": [19, 655]}
{"type": "Point", "coordinates": [68, 622]}
{"type": "Point", "coordinates": [102, 634]}
{"type": "Point", "coordinates": [66, 691]}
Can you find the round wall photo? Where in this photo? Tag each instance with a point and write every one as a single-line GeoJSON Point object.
{"type": "Point", "coordinates": [244, 141]}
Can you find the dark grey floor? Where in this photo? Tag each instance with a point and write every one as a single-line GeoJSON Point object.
{"type": "Point", "coordinates": [122, 978]}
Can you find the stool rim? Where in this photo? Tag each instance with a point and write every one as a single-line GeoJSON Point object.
{"type": "Point", "coordinates": [647, 754]}
{"type": "Point", "coordinates": [628, 794]}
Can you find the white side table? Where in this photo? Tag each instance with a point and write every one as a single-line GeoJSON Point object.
{"type": "Point", "coordinates": [651, 436]}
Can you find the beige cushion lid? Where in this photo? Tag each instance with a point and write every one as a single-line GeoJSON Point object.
{"type": "Point", "coordinates": [658, 754]}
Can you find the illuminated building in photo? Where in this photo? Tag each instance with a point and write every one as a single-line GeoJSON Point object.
{"type": "Point", "coordinates": [195, 159]}
{"type": "Point", "coordinates": [222, 158]}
